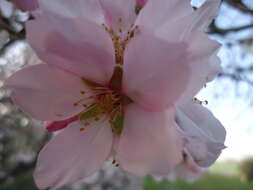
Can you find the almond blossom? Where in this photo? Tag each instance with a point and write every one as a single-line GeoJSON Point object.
{"type": "Point", "coordinates": [205, 138]}
{"type": "Point", "coordinates": [111, 82]}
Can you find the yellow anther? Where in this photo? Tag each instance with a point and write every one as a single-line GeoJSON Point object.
{"type": "Point", "coordinates": [120, 19]}
{"type": "Point", "coordinates": [115, 38]}
{"type": "Point", "coordinates": [114, 162]}
{"type": "Point", "coordinates": [200, 102]}
{"type": "Point", "coordinates": [82, 129]}
{"type": "Point", "coordinates": [86, 124]}
{"type": "Point", "coordinates": [82, 91]}
{"type": "Point", "coordinates": [110, 31]}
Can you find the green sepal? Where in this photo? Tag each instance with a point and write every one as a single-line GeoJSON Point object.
{"type": "Point", "coordinates": [91, 112]}
{"type": "Point", "coordinates": [117, 123]}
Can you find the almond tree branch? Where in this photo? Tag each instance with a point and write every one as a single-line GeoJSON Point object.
{"type": "Point", "coordinates": [238, 4]}
{"type": "Point", "coordinates": [213, 29]}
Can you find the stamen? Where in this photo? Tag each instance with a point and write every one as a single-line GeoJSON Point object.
{"type": "Point", "coordinates": [87, 123]}
{"type": "Point", "coordinates": [96, 118]}
{"type": "Point", "coordinates": [120, 20]}
{"type": "Point", "coordinates": [120, 41]}
{"type": "Point", "coordinates": [82, 129]}
{"type": "Point", "coordinates": [195, 100]}
{"type": "Point", "coordinates": [114, 162]}
{"type": "Point", "coordinates": [82, 92]}
{"type": "Point", "coordinates": [91, 97]}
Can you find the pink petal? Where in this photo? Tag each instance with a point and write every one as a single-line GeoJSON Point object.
{"type": "Point", "coordinates": [156, 76]}
{"type": "Point", "coordinates": [188, 21]}
{"type": "Point", "coordinates": [189, 170]}
{"type": "Point", "coordinates": [203, 68]}
{"type": "Point", "coordinates": [74, 44]}
{"type": "Point", "coordinates": [72, 155]}
{"type": "Point", "coordinates": [120, 9]}
{"type": "Point", "coordinates": [150, 143]}
{"type": "Point", "coordinates": [205, 133]}
{"type": "Point", "coordinates": [158, 12]}
{"type": "Point", "coordinates": [171, 16]}
{"type": "Point", "coordinates": [26, 5]}
{"type": "Point", "coordinates": [206, 13]}
{"type": "Point", "coordinates": [89, 10]}
{"type": "Point", "coordinates": [141, 2]}
{"type": "Point", "coordinates": [205, 120]}
{"type": "Point", "coordinates": [46, 92]}
{"type": "Point", "coordinates": [58, 125]}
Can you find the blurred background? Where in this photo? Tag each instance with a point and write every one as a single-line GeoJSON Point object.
{"type": "Point", "coordinates": [230, 98]}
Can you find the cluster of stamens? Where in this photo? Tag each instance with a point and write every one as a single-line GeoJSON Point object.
{"type": "Point", "coordinates": [107, 102]}
{"type": "Point", "coordinates": [121, 39]}
{"type": "Point", "coordinates": [104, 102]}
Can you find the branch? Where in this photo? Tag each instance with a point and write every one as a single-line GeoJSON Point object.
{"type": "Point", "coordinates": [235, 77]}
{"type": "Point", "coordinates": [238, 4]}
{"type": "Point", "coordinates": [213, 29]}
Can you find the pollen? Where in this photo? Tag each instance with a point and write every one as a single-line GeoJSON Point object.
{"type": "Point", "coordinates": [82, 92]}
{"type": "Point", "coordinates": [205, 102]}
{"type": "Point", "coordinates": [92, 97]}
{"type": "Point", "coordinates": [120, 20]}
{"type": "Point", "coordinates": [82, 129]}
{"type": "Point", "coordinates": [86, 123]}
{"type": "Point", "coordinates": [120, 39]}
{"type": "Point", "coordinates": [96, 119]}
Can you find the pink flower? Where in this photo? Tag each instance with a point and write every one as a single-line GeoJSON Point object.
{"type": "Point", "coordinates": [204, 133]}
{"type": "Point", "coordinates": [188, 170]}
{"type": "Point", "coordinates": [205, 138]}
{"type": "Point", "coordinates": [26, 5]}
{"type": "Point", "coordinates": [121, 74]}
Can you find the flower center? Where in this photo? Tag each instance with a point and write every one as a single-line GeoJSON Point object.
{"type": "Point", "coordinates": [106, 104]}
